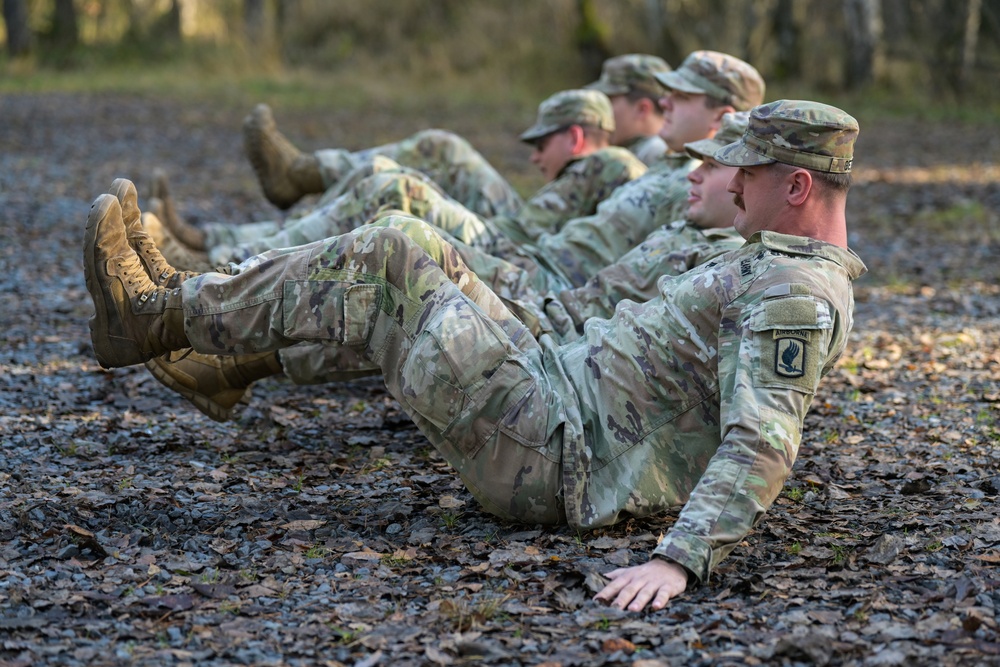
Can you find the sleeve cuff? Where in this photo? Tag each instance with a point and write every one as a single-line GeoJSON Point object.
{"type": "Point", "coordinates": [688, 551]}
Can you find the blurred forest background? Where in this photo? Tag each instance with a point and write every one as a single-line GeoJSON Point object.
{"type": "Point", "coordinates": [915, 53]}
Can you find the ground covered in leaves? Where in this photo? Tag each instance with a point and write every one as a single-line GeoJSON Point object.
{"type": "Point", "coordinates": [320, 528]}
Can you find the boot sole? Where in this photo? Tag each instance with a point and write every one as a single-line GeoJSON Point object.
{"type": "Point", "coordinates": [103, 345]}
{"type": "Point", "coordinates": [208, 407]}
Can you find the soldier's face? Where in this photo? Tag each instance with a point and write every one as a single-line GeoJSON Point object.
{"type": "Point", "coordinates": [757, 194]}
{"type": "Point", "coordinates": [709, 202]}
{"type": "Point", "coordinates": [685, 119]}
{"type": "Point", "coordinates": [628, 115]}
{"type": "Point", "coordinates": [552, 153]}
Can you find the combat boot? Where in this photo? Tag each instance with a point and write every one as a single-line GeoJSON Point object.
{"type": "Point", "coordinates": [175, 252]}
{"type": "Point", "coordinates": [286, 174]}
{"type": "Point", "coordinates": [134, 319]}
{"type": "Point", "coordinates": [183, 231]}
{"type": "Point", "coordinates": [157, 267]}
{"type": "Point", "coordinates": [213, 384]}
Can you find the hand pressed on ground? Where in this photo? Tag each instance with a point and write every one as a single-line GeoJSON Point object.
{"type": "Point", "coordinates": [653, 583]}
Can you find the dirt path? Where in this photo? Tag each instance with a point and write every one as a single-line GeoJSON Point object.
{"type": "Point", "coordinates": [320, 528]}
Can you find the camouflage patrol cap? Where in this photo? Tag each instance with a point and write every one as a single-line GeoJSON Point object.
{"type": "Point", "coordinates": [720, 76]}
{"type": "Point", "coordinates": [571, 107]}
{"type": "Point", "coordinates": [633, 72]}
{"type": "Point", "coordinates": [796, 132]}
{"type": "Point", "coordinates": [733, 126]}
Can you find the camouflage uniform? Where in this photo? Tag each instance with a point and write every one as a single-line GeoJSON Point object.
{"type": "Point", "coordinates": [649, 150]}
{"type": "Point", "coordinates": [446, 158]}
{"type": "Point", "coordinates": [570, 257]}
{"type": "Point", "coordinates": [695, 398]}
{"type": "Point", "coordinates": [668, 251]}
{"type": "Point", "coordinates": [581, 185]}
{"type": "Point", "coordinates": [452, 163]}
{"type": "Point", "coordinates": [635, 73]}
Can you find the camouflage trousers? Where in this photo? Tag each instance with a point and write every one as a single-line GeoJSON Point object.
{"type": "Point", "coordinates": [402, 300]}
{"type": "Point", "coordinates": [449, 160]}
{"type": "Point", "coordinates": [396, 190]}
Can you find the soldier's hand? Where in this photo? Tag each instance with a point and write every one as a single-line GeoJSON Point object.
{"type": "Point", "coordinates": [634, 587]}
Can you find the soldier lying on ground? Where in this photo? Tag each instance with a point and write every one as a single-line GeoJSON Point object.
{"type": "Point", "coordinates": [570, 137]}
{"type": "Point", "coordinates": [694, 399]}
{"type": "Point", "coordinates": [706, 87]}
{"type": "Point", "coordinates": [287, 174]}
{"type": "Point", "coordinates": [215, 384]}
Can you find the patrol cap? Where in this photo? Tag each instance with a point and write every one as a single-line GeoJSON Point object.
{"type": "Point", "coordinates": [571, 107]}
{"type": "Point", "coordinates": [718, 75]}
{"type": "Point", "coordinates": [633, 72]}
{"type": "Point", "coordinates": [796, 132]}
{"type": "Point", "coordinates": [733, 126]}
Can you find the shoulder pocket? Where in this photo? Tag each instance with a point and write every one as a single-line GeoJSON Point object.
{"type": "Point", "coordinates": [790, 335]}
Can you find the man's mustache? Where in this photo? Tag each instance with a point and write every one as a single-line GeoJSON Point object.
{"type": "Point", "coordinates": [738, 200]}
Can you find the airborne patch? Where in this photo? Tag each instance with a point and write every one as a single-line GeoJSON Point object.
{"type": "Point", "coordinates": [789, 357]}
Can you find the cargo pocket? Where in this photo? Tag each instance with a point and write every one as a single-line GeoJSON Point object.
{"type": "Point", "coordinates": [790, 335]}
{"type": "Point", "coordinates": [330, 310]}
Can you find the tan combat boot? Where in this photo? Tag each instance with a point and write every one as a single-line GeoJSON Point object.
{"type": "Point", "coordinates": [285, 173]}
{"type": "Point", "coordinates": [155, 264]}
{"type": "Point", "coordinates": [183, 231]}
{"type": "Point", "coordinates": [134, 319]}
{"type": "Point", "coordinates": [175, 252]}
{"type": "Point", "coordinates": [213, 384]}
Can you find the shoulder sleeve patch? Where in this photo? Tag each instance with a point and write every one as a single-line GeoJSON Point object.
{"type": "Point", "coordinates": [789, 339]}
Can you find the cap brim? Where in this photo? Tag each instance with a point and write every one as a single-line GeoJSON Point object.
{"type": "Point", "coordinates": [607, 88]}
{"type": "Point", "coordinates": [537, 132]}
{"type": "Point", "coordinates": [675, 81]}
{"type": "Point", "coordinates": [738, 154]}
{"type": "Point", "coordinates": [702, 149]}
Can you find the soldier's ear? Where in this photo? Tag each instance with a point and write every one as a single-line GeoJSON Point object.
{"type": "Point", "coordinates": [717, 114]}
{"type": "Point", "coordinates": [800, 184]}
{"type": "Point", "coordinates": [578, 139]}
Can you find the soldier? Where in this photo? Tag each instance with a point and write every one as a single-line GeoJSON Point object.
{"type": "Point", "coordinates": [630, 81]}
{"type": "Point", "coordinates": [705, 232]}
{"type": "Point", "coordinates": [694, 399]}
{"type": "Point", "coordinates": [569, 257]}
{"type": "Point", "coordinates": [287, 174]}
{"type": "Point", "coordinates": [570, 138]}
{"type": "Point", "coordinates": [215, 384]}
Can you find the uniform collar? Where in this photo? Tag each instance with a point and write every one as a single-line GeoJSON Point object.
{"type": "Point", "coordinates": [803, 245]}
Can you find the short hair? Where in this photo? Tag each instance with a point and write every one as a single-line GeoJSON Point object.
{"type": "Point", "coordinates": [836, 182]}
{"type": "Point", "coordinates": [830, 182]}
{"type": "Point", "coordinates": [715, 102]}
{"type": "Point", "coordinates": [596, 135]}
{"type": "Point", "coordinates": [636, 95]}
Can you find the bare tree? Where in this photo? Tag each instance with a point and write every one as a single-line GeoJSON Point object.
{"type": "Point", "coordinates": [863, 20]}
{"type": "Point", "coordinates": [65, 32]}
{"type": "Point", "coordinates": [591, 38]}
{"type": "Point", "coordinates": [788, 38]}
{"type": "Point", "coordinates": [969, 41]}
{"type": "Point", "coordinates": [15, 15]}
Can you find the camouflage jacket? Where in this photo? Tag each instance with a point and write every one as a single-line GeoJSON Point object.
{"type": "Point", "coordinates": [697, 397]}
{"type": "Point", "coordinates": [579, 188]}
{"type": "Point", "coordinates": [669, 251]}
{"type": "Point", "coordinates": [586, 245]}
{"type": "Point", "coordinates": [648, 149]}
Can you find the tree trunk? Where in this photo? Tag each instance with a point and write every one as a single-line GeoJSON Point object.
{"type": "Point", "coordinates": [254, 21]}
{"type": "Point", "coordinates": [788, 36]}
{"type": "Point", "coordinates": [65, 32]}
{"type": "Point", "coordinates": [172, 22]}
{"type": "Point", "coordinates": [15, 15]}
{"type": "Point", "coordinates": [591, 38]}
{"type": "Point", "coordinates": [969, 42]}
{"type": "Point", "coordinates": [863, 20]}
